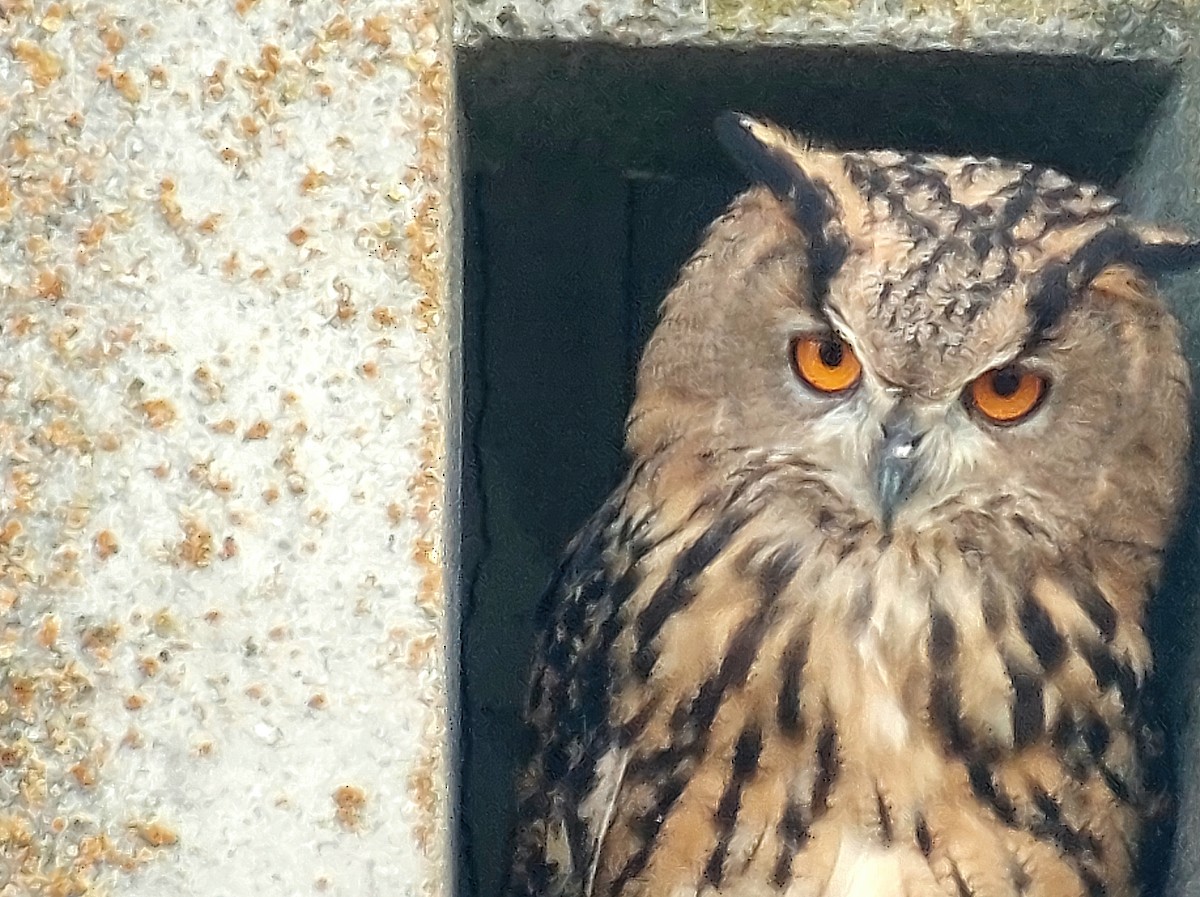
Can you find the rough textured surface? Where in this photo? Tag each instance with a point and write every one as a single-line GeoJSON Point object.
{"type": "Point", "coordinates": [224, 386]}
{"type": "Point", "coordinates": [1114, 28]}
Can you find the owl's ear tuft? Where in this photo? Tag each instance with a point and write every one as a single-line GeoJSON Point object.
{"type": "Point", "coordinates": [812, 183]}
{"type": "Point", "coordinates": [1163, 250]}
{"type": "Point", "coordinates": [765, 152]}
{"type": "Point", "coordinates": [1109, 261]}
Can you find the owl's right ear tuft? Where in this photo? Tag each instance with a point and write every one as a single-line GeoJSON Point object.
{"type": "Point", "coordinates": [1164, 250]}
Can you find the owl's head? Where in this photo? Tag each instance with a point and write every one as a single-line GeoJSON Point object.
{"type": "Point", "coordinates": [928, 335]}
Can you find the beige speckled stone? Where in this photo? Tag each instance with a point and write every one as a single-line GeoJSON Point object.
{"type": "Point", "coordinates": [226, 300]}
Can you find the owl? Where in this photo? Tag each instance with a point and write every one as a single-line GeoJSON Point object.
{"type": "Point", "coordinates": [866, 615]}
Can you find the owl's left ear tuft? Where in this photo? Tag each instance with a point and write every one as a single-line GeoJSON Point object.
{"type": "Point", "coordinates": [1163, 250]}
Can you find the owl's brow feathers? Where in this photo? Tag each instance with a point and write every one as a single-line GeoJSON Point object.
{"type": "Point", "coordinates": [819, 198]}
{"type": "Point", "coordinates": [1060, 281]}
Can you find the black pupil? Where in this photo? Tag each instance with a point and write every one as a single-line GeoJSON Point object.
{"type": "Point", "coordinates": [1006, 382]}
{"type": "Point", "coordinates": [831, 353]}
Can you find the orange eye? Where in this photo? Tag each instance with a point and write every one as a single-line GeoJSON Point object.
{"type": "Point", "coordinates": [1007, 395]}
{"type": "Point", "coordinates": [826, 363]}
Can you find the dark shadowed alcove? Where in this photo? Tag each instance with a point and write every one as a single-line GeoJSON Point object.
{"type": "Point", "coordinates": [590, 171]}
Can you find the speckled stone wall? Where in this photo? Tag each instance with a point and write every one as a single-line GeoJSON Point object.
{"type": "Point", "coordinates": [227, 284]}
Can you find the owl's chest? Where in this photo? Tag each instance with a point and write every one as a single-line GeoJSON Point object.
{"type": "Point", "coordinates": [842, 722]}
{"type": "Point", "coordinates": [790, 636]}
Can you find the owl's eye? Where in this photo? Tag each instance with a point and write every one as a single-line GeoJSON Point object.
{"type": "Point", "coordinates": [826, 363]}
{"type": "Point", "coordinates": [1006, 395]}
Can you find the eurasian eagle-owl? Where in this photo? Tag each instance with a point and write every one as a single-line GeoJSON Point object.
{"type": "Point", "coordinates": [866, 614]}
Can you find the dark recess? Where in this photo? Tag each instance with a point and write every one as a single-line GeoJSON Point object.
{"type": "Point", "coordinates": [651, 108]}
{"type": "Point", "coordinates": [591, 170]}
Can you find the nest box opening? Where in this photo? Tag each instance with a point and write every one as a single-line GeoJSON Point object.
{"type": "Point", "coordinates": [589, 172]}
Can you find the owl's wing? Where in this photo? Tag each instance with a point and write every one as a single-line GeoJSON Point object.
{"type": "Point", "coordinates": [567, 791]}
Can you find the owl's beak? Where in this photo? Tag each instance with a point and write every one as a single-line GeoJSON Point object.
{"type": "Point", "coordinates": [896, 466]}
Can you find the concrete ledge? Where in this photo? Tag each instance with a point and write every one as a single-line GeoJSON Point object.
{"type": "Point", "coordinates": [1143, 29]}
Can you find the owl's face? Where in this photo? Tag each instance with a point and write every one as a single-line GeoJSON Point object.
{"type": "Point", "coordinates": [930, 337]}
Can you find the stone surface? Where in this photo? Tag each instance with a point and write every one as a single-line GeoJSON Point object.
{"type": "Point", "coordinates": [225, 311]}
{"type": "Point", "coordinates": [1112, 28]}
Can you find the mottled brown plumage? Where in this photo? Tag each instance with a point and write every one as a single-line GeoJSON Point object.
{"type": "Point", "coordinates": [768, 668]}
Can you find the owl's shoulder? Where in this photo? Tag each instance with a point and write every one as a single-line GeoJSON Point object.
{"type": "Point", "coordinates": [568, 701]}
